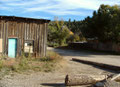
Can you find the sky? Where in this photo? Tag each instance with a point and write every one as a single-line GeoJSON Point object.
{"type": "Point", "coordinates": [49, 9]}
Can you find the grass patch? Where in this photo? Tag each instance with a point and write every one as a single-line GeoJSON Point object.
{"type": "Point", "coordinates": [23, 64]}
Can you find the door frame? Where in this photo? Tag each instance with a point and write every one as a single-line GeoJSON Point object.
{"type": "Point", "coordinates": [16, 46]}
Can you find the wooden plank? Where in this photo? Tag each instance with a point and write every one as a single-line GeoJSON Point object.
{"type": "Point", "coordinates": [37, 39]}
{"type": "Point", "coordinates": [9, 30]}
{"type": "Point", "coordinates": [7, 36]}
{"type": "Point", "coordinates": [12, 29]}
{"type": "Point", "coordinates": [44, 38]}
{"type": "Point", "coordinates": [43, 31]}
{"type": "Point", "coordinates": [41, 46]}
{"type": "Point", "coordinates": [3, 37]}
{"type": "Point", "coordinates": [33, 29]}
{"type": "Point", "coordinates": [0, 28]}
{"type": "Point", "coordinates": [25, 31]}
{"type": "Point", "coordinates": [5, 26]}
{"type": "Point", "coordinates": [35, 42]}
{"type": "Point", "coordinates": [15, 29]}
{"type": "Point", "coordinates": [17, 35]}
{"type": "Point", "coordinates": [40, 41]}
{"type": "Point", "coordinates": [20, 37]}
{"type": "Point", "coordinates": [28, 30]}
{"type": "Point", "coordinates": [23, 35]}
{"type": "Point", "coordinates": [30, 26]}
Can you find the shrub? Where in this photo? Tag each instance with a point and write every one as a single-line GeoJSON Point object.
{"type": "Point", "coordinates": [23, 63]}
{"type": "Point", "coordinates": [76, 38]}
{"type": "Point", "coordinates": [53, 44]}
{"type": "Point", "coordinates": [53, 55]}
{"type": "Point", "coordinates": [73, 38]}
{"type": "Point", "coordinates": [1, 64]}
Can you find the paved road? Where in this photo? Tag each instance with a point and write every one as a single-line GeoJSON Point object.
{"type": "Point", "coordinates": [91, 56]}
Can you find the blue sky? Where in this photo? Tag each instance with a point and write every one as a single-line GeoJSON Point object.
{"type": "Point", "coordinates": [48, 9]}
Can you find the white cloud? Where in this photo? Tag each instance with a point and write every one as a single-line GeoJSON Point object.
{"type": "Point", "coordinates": [9, 0]}
{"type": "Point", "coordinates": [65, 12]}
{"type": "Point", "coordinates": [39, 17]}
{"type": "Point", "coordinates": [27, 2]}
{"type": "Point", "coordinates": [57, 7]}
{"type": "Point", "coordinates": [39, 8]}
{"type": "Point", "coordinates": [4, 8]}
{"type": "Point", "coordinates": [74, 4]}
{"type": "Point", "coordinates": [86, 4]}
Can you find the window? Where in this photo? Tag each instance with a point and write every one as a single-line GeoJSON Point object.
{"type": "Point", "coordinates": [28, 46]}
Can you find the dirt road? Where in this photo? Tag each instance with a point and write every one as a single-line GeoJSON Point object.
{"type": "Point", "coordinates": [56, 78]}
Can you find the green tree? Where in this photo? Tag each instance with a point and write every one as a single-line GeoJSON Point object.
{"type": "Point", "coordinates": [104, 24]}
{"type": "Point", "coordinates": [58, 32]}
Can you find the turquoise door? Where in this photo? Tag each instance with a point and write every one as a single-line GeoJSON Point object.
{"type": "Point", "coordinates": [12, 47]}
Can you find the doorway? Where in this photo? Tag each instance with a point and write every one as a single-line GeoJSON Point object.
{"type": "Point", "coordinates": [12, 47]}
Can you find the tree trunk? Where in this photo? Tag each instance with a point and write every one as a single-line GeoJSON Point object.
{"type": "Point", "coordinates": [74, 80]}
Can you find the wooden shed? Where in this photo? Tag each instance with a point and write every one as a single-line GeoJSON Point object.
{"type": "Point", "coordinates": [18, 34]}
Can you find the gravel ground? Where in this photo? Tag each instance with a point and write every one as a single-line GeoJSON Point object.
{"type": "Point", "coordinates": [56, 78]}
{"type": "Point", "coordinates": [91, 56]}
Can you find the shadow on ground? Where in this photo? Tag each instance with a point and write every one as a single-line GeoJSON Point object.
{"type": "Point", "coordinates": [82, 52]}
{"type": "Point", "coordinates": [105, 69]}
{"type": "Point", "coordinates": [54, 84]}
{"type": "Point", "coordinates": [60, 85]}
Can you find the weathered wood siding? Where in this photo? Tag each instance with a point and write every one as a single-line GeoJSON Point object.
{"type": "Point", "coordinates": [24, 29]}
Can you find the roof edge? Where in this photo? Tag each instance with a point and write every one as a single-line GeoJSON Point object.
{"type": "Point", "coordinates": [25, 18]}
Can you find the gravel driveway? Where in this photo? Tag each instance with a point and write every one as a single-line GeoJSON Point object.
{"type": "Point", "coordinates": [56, 78]}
